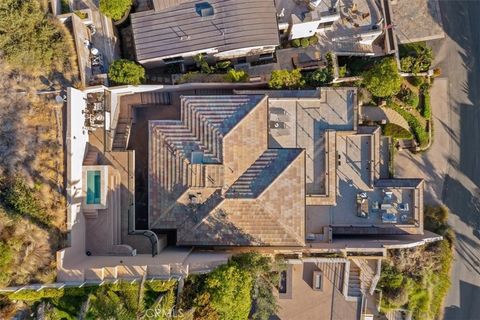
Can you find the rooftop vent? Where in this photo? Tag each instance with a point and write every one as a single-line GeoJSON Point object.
{"type": "Point", "coordinates": [204, 9]}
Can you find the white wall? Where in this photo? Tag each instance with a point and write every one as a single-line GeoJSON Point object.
{"type": "Point", "coordinates": [304, 29]}
{"type": "Point", "coordinates": [244, 52]}
{"type": "Point", "coordinates": [76, 144]}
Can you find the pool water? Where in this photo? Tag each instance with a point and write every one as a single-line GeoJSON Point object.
{"type": "Point", "coordinates": [93, 187]}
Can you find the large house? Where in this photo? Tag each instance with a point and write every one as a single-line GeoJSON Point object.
{"type": "Point", "coordinates": [163, 182]}
{"type": "Point", "coordinates": [176, 31]}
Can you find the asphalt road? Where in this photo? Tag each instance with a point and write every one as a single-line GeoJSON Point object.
{"type": "Point", "coordinates": [451, 167]}
{"type": "Point", "coordinates": [458, 56]}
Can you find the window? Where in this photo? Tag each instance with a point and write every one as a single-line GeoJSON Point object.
{"type": "Point", "coordinates": [204, 9]}
{"type": "Point", "coordinates": [317, 280]}
{"type": "Point", "coordinates": [282, 287]}
{"type": "Point", "coordinates": [173, 60]}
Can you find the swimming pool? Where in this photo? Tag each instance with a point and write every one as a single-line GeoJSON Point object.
{"type": "Point", "coordinates": [93, 187]}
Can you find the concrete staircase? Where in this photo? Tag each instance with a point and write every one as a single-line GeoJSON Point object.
{"type": "Point", "coordinates": [354, 281]}
{"type": "Point", "coordinates": [368, 269]}
{"type": "Point", "coordinates": [156, 98]}
{"type": "Point", "coordinates": [122, 135]}
{"type": "Point", "coordinates": [91, 158]}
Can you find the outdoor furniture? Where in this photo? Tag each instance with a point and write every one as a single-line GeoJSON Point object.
{"type": "Point", "coordinates": [389, 217]}
{"type": "Point", "coordinates": [385, 206]}
{"type": "Point", "coordinates": [362, 205]}
{"type": "Point", "coordinates": [279, 117]}
{"type": "Point", "coordinates": [403, 207]}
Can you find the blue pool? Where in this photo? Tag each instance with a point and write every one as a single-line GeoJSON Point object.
{"type": "Point", "coordinates": [93, 187]}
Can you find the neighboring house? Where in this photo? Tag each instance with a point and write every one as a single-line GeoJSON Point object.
{"type": "Point", "coordinates": [342, 27]}
{"type": "Point", "coordinates": [176, 31]}
{"type": "Point", "coordinates": [302, 19]}
{"type": "Point", "coordinates": [328, 288]}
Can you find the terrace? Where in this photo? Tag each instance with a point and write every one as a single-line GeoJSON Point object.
{"type": "Point", "coordinates": [356, 31]}
{"type": "Point", "coordinates": [302, 123]}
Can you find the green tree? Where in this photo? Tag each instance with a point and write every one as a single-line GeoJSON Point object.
{"type": "Point", "coordinates": [284, 79]}
{"type": "Point", "coordinates": [228, 288]}
{"type": "Point", "coordinates": [266, 276]}
{"type": "Point", "coordinates": [126, 72]}
{"type": "Point", "coordinates": [237, 75]}
{"type": "Point", "coordinates": [383, 79]}
{"type": "Point", "coordinates": [319, 77]}
{"type": "Point", "coordinates": [29, 39]}
{"type": "Point", "coordinates": [115, 9]}
{"type": "Point", "coordinates": [304, 42]}
{"type": "Point", "coordinates": [295, 43]}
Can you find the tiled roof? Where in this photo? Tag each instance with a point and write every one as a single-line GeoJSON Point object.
{"type": "Point", "coordinates": [178, 27]}
{"type": "Point", "coordinates": [268, 211]}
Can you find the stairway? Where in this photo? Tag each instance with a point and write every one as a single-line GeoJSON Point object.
{"type": "Point", "coordinates": [156, 98]}
{"type": "Point", "coordinates": [122, 134]}
{"type": "Point", "coordinates": [91, 158]}
{"type": "Point", "coordinates": [90, 214]}
{"type": "Point", "coordinates": [354, 282]}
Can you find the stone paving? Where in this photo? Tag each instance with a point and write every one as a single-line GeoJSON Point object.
{"type": "Point", "coordinates": [417, 20]}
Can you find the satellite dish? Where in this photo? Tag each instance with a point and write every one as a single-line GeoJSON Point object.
{"type": "Point", "coordinates": [94, 51]}
{"type": "Point", "coordinates": [59, 99]}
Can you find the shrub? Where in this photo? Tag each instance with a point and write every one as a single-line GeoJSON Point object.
{"type": "Point", "coordinates": [319, 77]}
{"type": "Point", "coordinates": [81, 14]}
{"type": "Point", "coordinates": [313, 40]}
{"type": "Point", "coordinates": [426, 108]}
{"type": "Point", "coordinates": [408, 97]}
{"type": "Point", "coordinates": [33, 295]}
{"type": "Point", "coordinates": [22, 200]}
{"type": "Point", "coordinates": [222, 65]}
{"type": "Point", "coordinates": [115, 9]}
{"type": "Point", "coordinates": [124, 71]}
{"type": "Point", "coordinates": [418, 131]}
{"type": "Point", "coordinates": [304, 42]}
{"type": "Point", "coordinates": [437, 72]}
{"type": "Point", "coordinates": [295, 43]}
{"type": "Point", "coordinates": [65, 6]}
{"type": "Point", "coordinates": [237, 75]}
{"type": "Point", "coordinates": [383, 80]}
{"type": "Point", "coordinates": [415, 57]}
{"type": "Point", "coordinates": [342, 71]}
{"type": "Point", "coordinates": [415, 81]}
{"type": "Point", "coordinates": [29, 39]}
{"type": "Point", "coordinates": [282, 79]}
{"type": "Point", "coordinates": [6, 255]}
{"type": "Point", "coordinates": [395, 131]}
{"type": "Point", "coordinates": [228, 288]}
{"type": "Point", "coordinates": [203, 64]}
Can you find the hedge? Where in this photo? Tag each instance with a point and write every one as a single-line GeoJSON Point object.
{"type": "Point", "coordinates": [418, 130]}
{"type": "Point", "coordinates": [395, 131]}
{"type": "Point", "coordinates": [427, 108]}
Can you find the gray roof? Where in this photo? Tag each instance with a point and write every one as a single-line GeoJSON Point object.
{"type": "Point", "coordinates": [164, 4]}
{"type": "Point", "coordinates": [178, 29]}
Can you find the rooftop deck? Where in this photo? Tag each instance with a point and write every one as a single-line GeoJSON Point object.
{"type": "Point", "coordinates": [301, 123]}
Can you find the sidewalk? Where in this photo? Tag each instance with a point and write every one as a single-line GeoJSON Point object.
{"type": "Point", "coordinates": [431, 165]}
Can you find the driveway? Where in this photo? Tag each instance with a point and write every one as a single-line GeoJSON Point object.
{"type": "Point", "coordinates": [452, 165]}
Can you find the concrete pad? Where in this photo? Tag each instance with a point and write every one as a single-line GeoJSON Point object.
{"type": "Point", "coordinates": [417, 20]}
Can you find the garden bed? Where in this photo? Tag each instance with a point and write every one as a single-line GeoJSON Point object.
{"type": "Point", "coordinates": [417, 279]}
{"type": "Point", "coordinates": [104, 302]}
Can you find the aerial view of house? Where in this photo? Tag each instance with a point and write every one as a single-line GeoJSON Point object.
{"type": "Point", "coordinates": [237, 159]}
